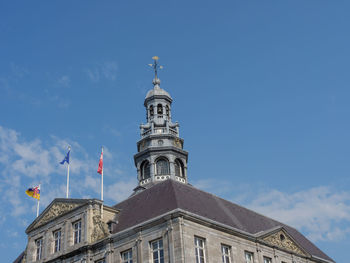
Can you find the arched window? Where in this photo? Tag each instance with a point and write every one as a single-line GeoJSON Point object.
{"type": "Point", "coordinates": [151, 111]}
{"type": "Point", "coordinates": [179, 168]}
{"type": "Point", "coordinates": [162, 166]}
{"type": "Point", "coordinates": [159, 109]}
{"type": "Point", "coordinates": [145, 170]}
{"type": "Point", "coordinates": [167, 111]}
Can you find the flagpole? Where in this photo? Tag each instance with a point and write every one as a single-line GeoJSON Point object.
{"type": "Point", "coordinates": [102, 188]}
{"type": "Point", "coordinates": [67, 192]}
{"type": "Point", "coordinates": [37, 207]}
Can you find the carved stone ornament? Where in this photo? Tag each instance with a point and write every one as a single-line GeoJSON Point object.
{"type": "Point", "coordinates": [177, 143]}
{"type": "Point", "coordinates": [280, 239]}
{"type": "Point", "coordinates": [100, 228]}
{"type": "Point", "coordinates": [55, 210]}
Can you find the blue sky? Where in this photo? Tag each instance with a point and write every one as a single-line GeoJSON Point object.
{"type": "Point", "coordinates": [260, 88]}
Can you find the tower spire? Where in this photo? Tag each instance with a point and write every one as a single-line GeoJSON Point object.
{"type": "Point", "coordinates": [156, 67]}
{"type": "Point", "coordinates": [160, 154]}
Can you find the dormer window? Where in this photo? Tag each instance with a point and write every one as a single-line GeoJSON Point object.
{"type": "Point", "coordinates": [162, 166]}
{"type": "Point", "coordinates": [160, 109]}
{"type": "Point", "coordinates": [57, 240]}
{"type": "Point", "coordinates": [39, 248]}
{"type": "Point", "coordinates": [77, 232]}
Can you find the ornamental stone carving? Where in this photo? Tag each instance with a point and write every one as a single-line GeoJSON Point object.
{"type": "Point", "coordinates": [177, 143]}
{"type": "Point", "coordinates": [100, 229]}
{"type": "Point", "coordinates": [56, 210]}
{"type": "Point", "coordinates": [280, 239]}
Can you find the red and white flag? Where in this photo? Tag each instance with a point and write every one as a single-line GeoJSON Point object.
{"type": "Point", "coordinates": [100, 164]}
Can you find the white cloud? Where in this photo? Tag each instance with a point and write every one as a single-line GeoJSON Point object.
{"type": "Point", "coordinates": [64, 81]}
{"type": "Point", "coordinates": [109, 70]}
{"type": "Point", "coordinates": [105, 71]}
{"type": "Point", "coordinates": [120, 190]}
{"type": "Point", "coordinates": [93, 74]}
{"type": "Point", "coordinates": [320, 212]}
{"type": "Point", "coordinates": [18, 71]}
{"type": "Point", "coordinates": [25, 163]}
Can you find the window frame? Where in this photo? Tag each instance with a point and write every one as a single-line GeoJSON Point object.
{"type": "Point", "coordinates": [267, 259]}
{"type": "Point", "coordinates": [159, 250]}
{"type": "Point", "coordinates": [167, 111]}
{"type": "Point", "coordinates": [248, 253]}
{"type": "Point", "coordinates": [179, 168]}
{"type": "Point", "coordinates": [162, 170]}
{"type": "Point", "coordinates": [145, 170]}
{"type": "Point", "coordinates": [159, 109]}
{"type": "Point", "coordinates": [57, 240]}
{"type": "Point", "coordinates": [226, 257]}
{"type": "Point", "coordinates": [77, 230]}
{"type": "Point", "coordinates": [129, 255]}
{"type": "Point", "coordinates": [198, 248]}
{"type": "Point", "coordinates": [39, 248]}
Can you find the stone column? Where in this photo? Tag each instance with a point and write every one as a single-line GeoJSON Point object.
{"type": "Point", "coordinates": [138, 244]}
{"type": "Point", "coordinates": [182, 239]}
{"type": "Point", "coordinates": [259, 257]}
{"type": "Point", "coordinates": [109, 253]}
{"type": "Point", "coordinates": [46, 245]}
{"type": "Point", "coordinates": [170, 239]}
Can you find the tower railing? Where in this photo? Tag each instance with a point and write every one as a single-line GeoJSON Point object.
{"type": "Point", "coordinates": [159, 130]}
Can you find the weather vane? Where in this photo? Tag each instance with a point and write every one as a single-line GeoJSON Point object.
{"type": "Point", "coordinates": [155, 66]}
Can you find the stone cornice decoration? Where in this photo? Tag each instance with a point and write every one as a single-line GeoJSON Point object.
{"type": "Point", "coordinates": [282, 240]}
{"type": "Point", "coordinates": [55, 210]}
{"type": "Point", "coordinates": [100, 228]}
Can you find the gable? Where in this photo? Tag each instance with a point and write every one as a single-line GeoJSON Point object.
{"type": "Point", "coordinates": [57, 208]}
{"type": "Point", "coordinates": [282, 240]}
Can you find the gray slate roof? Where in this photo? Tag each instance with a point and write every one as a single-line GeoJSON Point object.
{"type": "Point", "coordinates": [19, 259]}
{"type": "Point", "coordinates": [169, 195]}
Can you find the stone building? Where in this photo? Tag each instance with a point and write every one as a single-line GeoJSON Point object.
{"type": "Point", "coordinates": [165, 219]}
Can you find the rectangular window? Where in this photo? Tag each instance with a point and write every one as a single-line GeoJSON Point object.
{"type": "Point", "coordinates": [199, 249]}
{"type": "Point", "coordinates": [226, 252]}
{"type": "Point", "coordinates": [267, 260]}
{"type": "Point", "coordinates": [77, 232]}
{"type": "Point", "coordinates": [157, 251]}
{"type": "Point", "coordinates": [127, 256]}
{"type": "Point", "coordinates": [249, 257]}
{"type": "Point", "coordinates": [39, 248]}
{"type": "Point", "coordinates": [57, 240]}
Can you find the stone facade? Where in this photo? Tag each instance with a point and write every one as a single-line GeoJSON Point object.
{"type": "Point", "coordinates": [67, 212]}
{"type": "Point", "coordinates": [177, 230]}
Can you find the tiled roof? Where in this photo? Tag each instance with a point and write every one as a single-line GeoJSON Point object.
{"type": "Point", "coordinates": [19, 258]}
{"type": "Point", "coordinates": [170, 195]}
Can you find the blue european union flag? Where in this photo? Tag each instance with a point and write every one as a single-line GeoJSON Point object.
{"type": "Point", "coordinates": [66, 159]}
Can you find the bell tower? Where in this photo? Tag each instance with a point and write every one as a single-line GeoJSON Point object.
{"type": "Point", "coordinates": [160, 155]}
